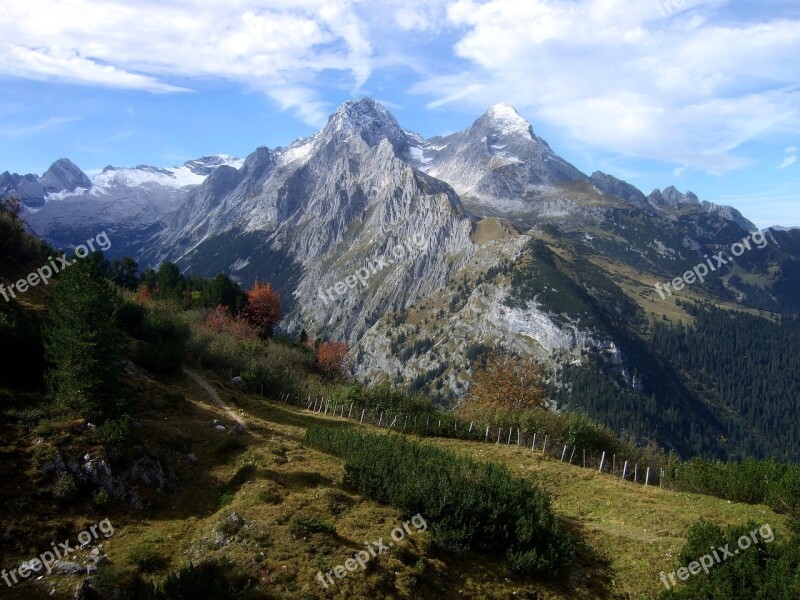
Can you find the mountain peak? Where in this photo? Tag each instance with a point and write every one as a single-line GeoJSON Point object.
{"type": "Point", "coordinates": [507, 119]}
{"type": "Point", "coordinates": [64, 175]}
{"type": "Point", "coordinates": [371, 120]}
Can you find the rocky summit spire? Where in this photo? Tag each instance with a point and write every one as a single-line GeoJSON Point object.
{"type": "Point", "coordinates": [366, 118]}
{"type": "Point", "coordinates": [64, 175]}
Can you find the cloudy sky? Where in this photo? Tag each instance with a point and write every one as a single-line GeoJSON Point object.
{"type": "Point", "coordinates": [704, 95]}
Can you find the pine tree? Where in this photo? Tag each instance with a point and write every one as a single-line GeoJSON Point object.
{"type": "Point", "coordinates": [82, 342]}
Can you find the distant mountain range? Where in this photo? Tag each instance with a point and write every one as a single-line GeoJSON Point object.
{"type": "Point", "coordinates": [519, 250]}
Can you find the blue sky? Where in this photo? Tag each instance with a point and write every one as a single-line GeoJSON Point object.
{"type": "Point", "coordinates": [703, 95]}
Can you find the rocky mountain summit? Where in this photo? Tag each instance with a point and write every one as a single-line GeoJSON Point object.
{"type": "Point", "coordinates": [423, 254]}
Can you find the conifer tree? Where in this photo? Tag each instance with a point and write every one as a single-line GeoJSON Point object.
{"type": "Point", "coordinates": [82, 342]}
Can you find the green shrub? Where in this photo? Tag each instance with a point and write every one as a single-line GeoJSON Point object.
{"type": "Point", "coordinates": [764, 571]}
{"type": "Point", "coordinates": [146, 559]}
{"type": "Point", "coordinates": [65, 488]}
{"type": "Point", "coordinates": [467, 504]}
{"type": "Point", "coordinates": [101, 499]}
{"type": "Point", "coordinates": [130, 318]}
{"type": "Point", "coordinates": [205, 581]}
{"type": "Point", "coordinates": [300, 525]}
{"type": "Point", "coordinates": [165, 347]}
{"type": "Point", "coordinates": [114, 431]}
{"type": "Point", "coordinates": [111, 581]}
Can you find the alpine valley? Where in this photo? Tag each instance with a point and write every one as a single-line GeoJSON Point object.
{"type": "Point", "coordinates": [514, 248]}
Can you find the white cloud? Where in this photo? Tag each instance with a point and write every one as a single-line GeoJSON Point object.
{"type": "Point", "coordinates": [689, 89]}
{"type": "Point", "coordinates": [279, 47]}
{"type": "Point", "coordinates": [46, 125]}
{"type": "Point", "coordinates": [68, 65]}
{"type": "Point", "coordinates": [788, 162]}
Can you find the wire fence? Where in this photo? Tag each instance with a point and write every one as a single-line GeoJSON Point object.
{"type": "Point", "coordinates": [449, 426]}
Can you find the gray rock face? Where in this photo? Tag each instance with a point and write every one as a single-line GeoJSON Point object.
{"type": "Point", "coordinates": [70, 568]}
{"type": "Point", "coordinates": [323, 218]}
{"type": "Point", "coordinates": [497, 165]}
{"type": "Point", "coordinates": [65, 208]}
{"type": "Point", "coordinates": [25, 187]}
{"type": "Point", "coordinates": [144, 476]}
{"type": "Point", "coordinates": [329, 205]}
{"type": "Point", "coordinates": [64, 176]}
{"type": "Point", "coordinates": [671, 199]}
{"type": "Point", "coordinates": [623, 190]}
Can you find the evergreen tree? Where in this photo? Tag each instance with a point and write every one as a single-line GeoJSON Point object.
{"type": "Point", "coordinates": [82, 342]}
{"type": "Point", "coordinates": [170, 281]}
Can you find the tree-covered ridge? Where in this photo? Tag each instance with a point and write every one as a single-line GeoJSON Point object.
{"type": "Point", "coordinates": [748, 369]}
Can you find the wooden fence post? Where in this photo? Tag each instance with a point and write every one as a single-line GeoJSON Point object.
{"type": "Point", "coordinates": [544, 446]}
{"type": "Point", "coordinates": [635, 472]}
{"type": "Point", "coordinates": [624, 469]}
{"type": "Point", "coordinates": [584, 458]}
{"type": "Point", "coordinates": [647, 478]}
{"type": "Point", "coordinates": [471, 423]}
{"type": "Point", "coordinates": [487, 434]}
{"type": "Point", "coordinates": [563, 452]}
{"type": "Point", "coordinates": [519, 439]}
{"type": "Point", "coordinates": [510, 431]}
{"type": "Point", "coordinates": [533, 445]}
{"type": "Point", "coordinates": [571, 456]}
{"type": "Point", "coordinates": [350, 412]}
{"type": "Point", "coordinates": [362, 415]}
{"type": "Point", "coordinates": [602, 460]}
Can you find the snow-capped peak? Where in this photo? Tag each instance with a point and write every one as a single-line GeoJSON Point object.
{"type": "Point", "coordinates": [507, 119]}
{"type": "Point", "coordinates": [365, 117]}
{"type": "Point", "coordinates": [192, 172]}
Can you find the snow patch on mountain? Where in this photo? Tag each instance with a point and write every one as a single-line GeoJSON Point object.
{"type": "Point", "coordinates": [191, 173]}
{"type": "Point", "coordinates": [507, 120]}
{"type": "Point", "coordinates": [299, 152]}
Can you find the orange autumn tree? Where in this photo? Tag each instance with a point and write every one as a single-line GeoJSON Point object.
{"type": "Point", "coordinates": [505, 383]}
{"type": "Point", "coordinates": [143, 294]}
{"type": "Point", "coordinates": [220, 320]}
{"type": "Point", "coordinates": [263, 310]}
{"type": "Point", "coordinates": [331, 357]}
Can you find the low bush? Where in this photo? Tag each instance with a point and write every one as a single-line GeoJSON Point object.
{"type": "Point", "coordinates": [301, 525]}
{"type": "Point", "coordinates": [764, 571]}
{"type": "Point", "coordinates": [165, 342]}
{"type": "Point", "coordinates": [146, 559]}
{"type": "Point", "coordinates": [467, 504]}
{"type": "Point", "coordinates": [65, 489]}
